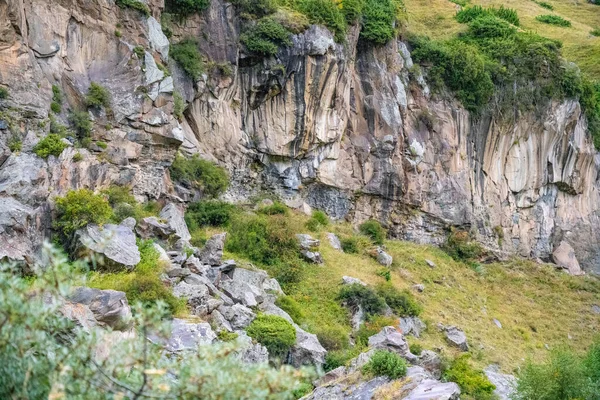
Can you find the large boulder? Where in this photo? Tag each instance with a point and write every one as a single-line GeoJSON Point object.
{"type": "Point", "coordinates": [334, 241]}
{"type": "Point", "coordinates": [20, 234]}
{"type": "Point", "coordinates": [152, 227]}
{"type": "Point", "coordinates": [188, 335]}
{"type": "Point", "coordinates": [307, 350]}
{"type": "Point", "coordinates": [456, 337]}
{"type": "Point", "coordinates": [564, 257]}
{"type": "Point", "coordinates": [430, 389]}
{"type": "Point", "coordinates": [174, 217]}
{"type": "Point", "coordinates": [390, 338]}
{"type": "Point", "coordinates": [250, 352]}
{"type": "Point", "coordinates": [114, 243]}
{"type": "Point", "coordinates": [238, 316]}
{"type": "Point", "coordinates": [212, 252]}
{"type": "Point", "coordinates": [109, 307]}
{"type": "Point", "coordinates": [197, 296]}
{"type": "Point", "coordinates": [505, 384]}
{"type": "Point", "coordinates": [307, 242]}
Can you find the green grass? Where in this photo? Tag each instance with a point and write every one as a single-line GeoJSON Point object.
{"type": "Point", "coordinates": [553, 20]}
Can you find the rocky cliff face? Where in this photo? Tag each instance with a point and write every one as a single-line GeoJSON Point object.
{"type": "Point", "coordinates": [343, 127]}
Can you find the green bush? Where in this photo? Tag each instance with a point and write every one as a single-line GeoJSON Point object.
{"type": "Point", "coordinates": [460, 247]}
{"type": "Point", "coordinates": [276, 208]}
{"type": "Point", "coordinates": [267, 240]}
{"type": "Point", "coordinates": [317, 221]}
{"type": "Point", "coordinates": [352, 10]}
{"type": "Point", "coordinates": [188, 56]}
{"type": "Point", "coordinates": [124, 204]}
{"type": "Point", "coordinates": [358, 295]}
{"type": "Point", "coordinates": [351, 245]}
{"type": "Point", "coordinates": [595, 32]}
{"type": "Point", "coordinates": [3, 93]}
{"type": "Point", "coordinates": [273, 332]}
{"type": "Point", "coordinates": [208, 213]}
{"type": "Point", "coordinates": [81, 122]}
{"type": "Point", "coordinates": [332, 337]}
{"type": "Point", "coordinates": [178, 105]}
{"type": "Point", "coordinates": [55, 107]}
{"type": "Point", "coordinates": [553, 20]}
{"type": "Point", "coordinates": [97, 96]}
{"type": "Point", "coordinates": [265, 38]}
{"type": "Point", "coordinates": [135, 5]}
{"type": "Point", "coordinates": [255, 9]}
{"type": "Point", "coordinates": [52, 144]}
{"type": "Point", "coordinates": [339, 358]}
{"type": "Point", "coordinates": [324, 12]}
{"type": "Point", "coordinates": [57, 100]}
{"type": "Point", "coordinates": [186, 7]}
{"type": "Point", "coordinates": [472, 13]}
{"type": "Point", "coordinates": [472, 381]}
{"type": "Point", "coordinates": [15, 144]}
{"type": "Point", "coordinates": [201, 174]}
{"type": "Point", "coordinates": [545, 5]}
{"type": "Point", "coordinates": [291, 306]}
{"type": "Point", "coordinates": [227, 336]}
{"type": "Point", "coordinates": [373, 230]}
{"type": "Point", "coordinates": [378, 21]}
{"type": "Point", "coordinates": [415, 349]}
{"type": "Point", "coordinates": [288, 271]}
{"type": "Point", "coordinates": [77, 157]}
{"type": "Point", "coordinates": [385, 363]}
{"type": "Point", "coordinates": [102, 145]}
{"type": "Point", "coordinates": [403, 303]}
{"type": "Point", "coordinates": [79, 208]}
{"type": "Point", "coordinates": [140, 52]}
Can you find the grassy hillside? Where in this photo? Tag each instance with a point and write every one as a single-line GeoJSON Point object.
{"type": "Point", "coordinates": [539, 308]}
{"type": "Point", "coordinates": [435, 18]}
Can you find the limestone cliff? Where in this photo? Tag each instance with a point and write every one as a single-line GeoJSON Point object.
{"type": "Point", "coordinates": [348, 128]}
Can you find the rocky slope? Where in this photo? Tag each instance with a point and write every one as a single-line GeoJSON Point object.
{"type": "Point", "coordinates": [343, 127]}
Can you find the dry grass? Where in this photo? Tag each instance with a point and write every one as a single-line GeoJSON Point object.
{"type": "Point", "coordinates": [435, 19]}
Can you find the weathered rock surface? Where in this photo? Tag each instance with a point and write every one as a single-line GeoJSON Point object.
{"type": "Point", "coordinates": [384, 258]}
{"type": "Point", "coordinates": [456, 337]}
{"type": "Point", "coordinates": [505, 384]}
{"type": "Point", "coordinates": [187, 335]}
{"type": "Point", "coordinates": [412, 326]}
{"type": "Point", "coordinates": [307, 350]}
{"type": "Point", "coordinates": [116, 243]}
{"type": "Point", "coordinates": [389, 338]}
{"type": "Point", "coordinates": [173, 215]}
{"type": "Point", "coordinates": [564, 257]}
{"type": "Point", "coordinates": [109, 307]}
{"type": "Point", "coordinates": [212, 252]}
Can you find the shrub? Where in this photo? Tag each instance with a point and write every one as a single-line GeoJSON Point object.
{"type": "Point", "coordinates": [186, 7]}
{"type": "Point", "coordinates": [324, 12]}
{"type": "Point", "coordinates": [52, 144]}
{"type": "Point", "coordinates": [339, 358]}
{"type": "Point", "coordinates": [140, 52]}
{"type": "Point", "coordinates": [372, 327]}
{"type": "Point", "coordinates": [358, 295]}
{"type": "Point", "coordinates": [102, 145]}
{"type": "Point", "coordinates": [255, 8]}
{"type": "Point", "coordinates": [385, 363]}
{"type": "Point", "coordinates": [15, 144]}
{"type": "Point", "coordinates": [79, 208]}
{"type": "Point", "coordinates": [77, 157]}
{"type": "Point", "coordinates": [351, 245]}
{"type": "Point", "coordinates": [273, 332]}
{"type": "Point", "coordinates": [269, 241]}
{"type": "Point", "coordinates": [208, 213]}
{"type": "Point", "coordinates": [188, 56]}
{"type": "Point", "coordinates": [82, 123]}
{"type": "Point", "coordinates": [385, 273]}
{"type": "Point", "coordinates": [318, 220]}
{"type": "Point", "coordinates": [378, 21]}
{"type": "Point", "coordinates": [178, 105]}
{"type": "Point", "coordinates": [472, 13]}
{"type": "Point", "coordinates": [135, 5]}
{"type": "Point", "coordinates": [97, 96]}
{"type": "Point", "coordinates": [415, 349]}
{"type": "Point", "coordinates": [3, 93]}
{"type": "Point", "coordinates": [403, 303]}
{"type": "Point", "coordinates": [553, 20]}
{"type": "Point", "coordinates": [472, 382]}
{"type": "Point", "coordinates": [332, 337]}
{"type": "Point", "coordinates": [55, 107]}
{"type": "Point", "coordinates": [288, 272]}
{"type": "Point", "coordinates": [201, 174]}
{"type": "Point", "coordinates": [118, 33]}
{"type": "Point", "coordinates": [352, 10]}
{"type": "Point", "coordinates": [118, 194]}
{"type": "Point", "coordinates": [545, 5]}
{"type": "Point", "coordinates": [373, 230]}
{"type": "Point", "coordinates": [265, 38]}
{"type": "Point", "coordinates": [227, 336]}
{"type": "Point", "coordinates": [290, 306]}
{"type": "Point", "coordinates": [595, 32]}
{"type": "Point", "coordinates": [460, 247]}
{"type": "Point", "coordinates": [276, 208]}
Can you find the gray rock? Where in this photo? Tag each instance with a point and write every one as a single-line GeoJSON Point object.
{"type": "Point", "coordinates": [307, 242]}
{"type": "Point", "coordinates": [212, 252]}
{"type": "Point", "coordinates": [158, 41]}
{"type": "Point", "coordinates": [497, 323]}
{"type": "Point", "coordinates": [194, 265]}
{"type": "Point", "coordinates": [419, 287]}
{"type": "Point", "coordinates": [412, 326]}
{"type": "Point", "coordinates": [348, 280]}
{"type": "Point", "coordinates": [188, 336]}
{"type": "Point", "coordinates": [173, 216]}
{"type": "Point", "coordinates": [80, 314]}
{"type": "Point", "coordinates": [213, 304]}
{"type": "Point", "coordinates": [389, 338]}
{"type": "Point", "coordinates": [384, 258]}
{"type": "Point", "coordinates": [272, 309]}
{"type": "Point", "coordinates": [178, 272]}
{"type": "Point", "coordinates": [272, 286]}
{"type": "Point", "coordinates": [151, 227]}
{"type": "Point", "coordinates": [596, 309]}
{"type": "Point", "coordinates": [239, 316]}
{"type": "Point", "coordinates": [357, 318]}
{"type": "Point", "coordinates": [431, 362]}
{"type": "Point", "coordinates": [564, 257]}
{"type": "Point", "coordinates": [240, 292]}
{"type": "Point", "coordinates": [313, 257]}
{"type": "Point", "coordinates": [219, 322]}
{"type": "Point", "coordinates": [307, 350]}
{"type": "Point", "coordinates": [116, 243]}
{"type": "Point", "coordinates": [251, 353]}
{"type": "Point", "coordinates": [153, 74]}
{"type": "Point", "coordinates": [430, 389]}
{"type": "Point", "coordinates": [505, 384]}
{"type": "Point", "coordinates": [196, 295]}
{"type": "Point", "coordinates": [456, 337]}
{"type": "Point", "coordinates": [20, 234]}
{"type": "Point", "coordinates": [110, 307]}
{"type": "Point", "coordinates": [334, 241]}
{"type": "Point", "coordinates": [430, 263]}
{"type": "Point", "coordinates": [318, 40]}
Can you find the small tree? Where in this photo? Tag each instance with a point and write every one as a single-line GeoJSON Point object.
{"type": "Point", "coordinates": [97, 96]}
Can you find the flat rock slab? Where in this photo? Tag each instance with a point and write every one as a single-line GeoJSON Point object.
{"type": "Point", "coordinates": [109, 307]}
{"type": "Point", "coordinates": [115, 242]}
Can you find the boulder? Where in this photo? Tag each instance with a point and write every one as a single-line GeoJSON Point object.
{"type": "Point", "coordinates": [384, 258]}
{"type": "Point", "coordinates": [271, 286]}
{"type": "Point", "coordinates": [419, 287]}
{"type": "Point", "coordinates": [193, 264]}
{"type": "Point", "coordinates": [212, 252]}
{"type": "Point", "coordinates": [20, 233]}
{"type": "Point", "coordinates": [505, 384]}
{"type": "Point", "coordinates": [109, 307]}
{"type": "Point", "coordinates": [307, 242]}
{"type": "Point", "coordinates": [348, 280]}
{"type": "Point", "coordinates": [430, 263]}
{"type": "Point", "coordinates": [412, 326]}
{"type": "Point", "coordinates": [80, 314]}
{"type": "Point", "coordinates": [178, 272]}
{"type": "Point", "coordinates": [241, 292]}
{"type": "Point", "coordinates": [197, 296]}
{"type": "Point", "coordinates": [251, 353]}
{"type": "Point", "coordinates": [173, 215]}
{"type": "Point", "coordinates": [152, 227]}
{"type": "Point", "coordinates": [456, 337]}
{"type": "Point", "coordinates": [115, 243]}
{"type": "Point", "coordinates": [239, 316]}
{"type": "Point", "coordinates": [188, 335]}
{"type": "Point", "coordinates": [431, 362]}
{"type": "Point", "coordinates": [163, 257]}
{"type": "Point", "coordinates": [307, 350]}
{"type": "Point", "coordinates": [596, 309]}
{"type": "Point", "coordinates": [272, 309]}
{"type": "Point", "coordinates": [334, 241]}
{"type": "Point", "coordinates": [312, 256]}
{"type": "Point", "coordinates": [390, 338]}
{"type": "Point", "coordinates": [430, 389]}
{"type": "Point", "coordinates": [564, 257]}
{"type": "Point", "coordinates": [219, 322]}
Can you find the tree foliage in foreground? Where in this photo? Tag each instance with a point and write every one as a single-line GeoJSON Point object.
{"type": "Point", "coordinates": [43, 354]}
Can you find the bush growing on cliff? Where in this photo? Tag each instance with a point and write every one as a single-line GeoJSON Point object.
{"type": "Point", "coordinates": [324, 12]}
{"type": "Point", "coordinates": [208, 213]}
{"type": "Point", "coordinates": [79, 208]}
{"type": "Point", "coordinates": [81, 122]}
{"type": "Point", "coordinates": [266, 37]}
{"type": "Point", "coordinates": [134, 5]}
{"type": "Point", "coordinates": [472, 13]}
{"type": "Point", "coordinates": [3, 93]}
{"type": "Point", "coordinates": [403, 303]}
{"type": "Point", "coordinates": [460, 247]}
{"type": "Point", "coordinates": [188, 56]}
{"type": "Point", "coordinates": [124, 204]}
{"type": "Point", "coordinates": [255, 9]}
{"type": "Point", "coordinates": [273, 332]}
{"type": "Point", "coordinates": [51, 144]}
{"type": "Point", "coordinates": [385, 363]}
{"type": "Point", "coordinates": [378, 21]}
{"type": "Point", "coordinates": [358, 295]}
{"type": "Point", "coordinates": [201, 174]}
{"type": "Point", "coordinates": [97, 96]}
{"type": "Point", "coordinates": [373, 230]}
{"type": "Point", "coordinates": [472, 382]}
{"type": "Point", "coordinates": [186, 7]}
